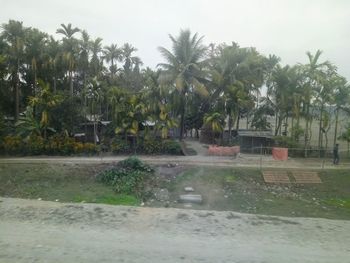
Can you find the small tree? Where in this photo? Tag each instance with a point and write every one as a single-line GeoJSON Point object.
{"type": "Point", "coordinates": [345, 136]}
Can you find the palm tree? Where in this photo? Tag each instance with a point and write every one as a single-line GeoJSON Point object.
{"type": "Point", "coordinates": [51, 62]}
{"type": "Point", "coordinates": [280, 90]}
{"type": "Point", "coordinates": [113, 54]}
{"type": "Point", "coordinates": [96, 63]}
{"type": "Point", "coordinates": [35, 48]}
{"type": "Point", "coordinates": [67, 30]}
{"type": "Point", "coordinates": [314, 72]}
{"type": "Point", "coordinates": [84, 55]}
{"type": "Point", "coordinates": [341, 101]}
{"type": "Point", "coordinates": [127, 51]}
{"type": "Point", "coordinates": [14, 35]}
{"type": "Point", "coordinates": [183, 68]}
{"type": "Point", "coordinates": [70, 45]}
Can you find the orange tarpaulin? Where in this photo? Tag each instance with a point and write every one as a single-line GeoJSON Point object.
{"type": "Point", "coordinates": [223, 151]}
{"type": "Point", "coordinates": [280, 154]}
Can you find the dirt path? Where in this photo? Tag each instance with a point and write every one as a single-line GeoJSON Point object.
{"type": "Point", "coordinates": [245, 160]}
{"type": "Point", "coordinates": [38, 231]}
{"type": "Point", "coordinates": [197, 146]}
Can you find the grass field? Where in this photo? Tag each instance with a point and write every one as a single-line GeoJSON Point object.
{"type": "Point", "coordinates": [244, 190]}
{"type": "Point", "coordinates": [61, 182]}
{"type": "Point", "coordinates": [241, 190]}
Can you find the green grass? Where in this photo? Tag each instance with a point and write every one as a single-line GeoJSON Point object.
{"type": "Point", "coordinates": [114, 199]}
{"type": "Point", "coordinates": [244, 190]}
{"type": "Point", "coordinates": [66, 183]}
{"type": "Point", "coordinates": [234, 189]}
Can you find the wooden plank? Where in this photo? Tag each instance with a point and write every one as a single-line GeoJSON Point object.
{"type": "Point", "coordinates": [276, 177]}
{"type": "Point", "coordinates": [306, 177]}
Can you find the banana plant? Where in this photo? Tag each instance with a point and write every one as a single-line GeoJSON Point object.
{"type": "Point", "coordinates": [44, 101]}
{"type": "Point", "coordinates": [165, 121]}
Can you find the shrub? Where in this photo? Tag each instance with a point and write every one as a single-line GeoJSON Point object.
{"type": "Point", "coordinates": [35, 145]}
{"type": "Point", "coordinates": [12, 145]}
{"type": "Point", "coordinates": [172, 147]}
{"type": "Point", "coordinates": [287, 142]}
{"type": "Point", "coordinates": [55, 145]}
{"type": "Point", "coordinates": [120, 146]}
{"type": "Point", "coordinates": [150, 146]}
{"type": "Point", "coordinates": [127, 177]}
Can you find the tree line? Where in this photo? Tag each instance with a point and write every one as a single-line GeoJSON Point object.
{"type": "Point", "coordinates": [51, 84]}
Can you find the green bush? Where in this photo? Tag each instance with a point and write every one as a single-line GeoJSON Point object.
{"type": "Point", "coordinates": [172, 147]}
{"type": "Point", "coordinates": [146, 146]}
{"type": "Point", "coordinates": [12, 145]}
{"type": "Point", "coordinates": [150, 146]}
{"type": "Point", "coordinates": [287, 142]}
{"type": "Point", "coordinates": [120, 146]}
{"type": "Point", "coordinates": [36, 145]}
{"type": "Point", "coordinates": [127, 177]}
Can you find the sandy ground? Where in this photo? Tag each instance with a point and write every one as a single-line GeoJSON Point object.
{"type": "Point", "coordinates": [40, 231]}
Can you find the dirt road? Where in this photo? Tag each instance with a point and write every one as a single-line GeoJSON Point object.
{"type": "Point", "coordinates": [40, 231]}
{"type": "Point", "coordinates": [245, 160]}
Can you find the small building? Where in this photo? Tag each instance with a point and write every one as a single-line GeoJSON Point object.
{"type": "Point", "coordinates": [252, 141]}
{"type": "Point", "coordinates": [91, 131]}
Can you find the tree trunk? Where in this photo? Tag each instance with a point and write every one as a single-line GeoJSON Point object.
{"type": "Point", "coordinates": [276, 122]}
{"type": "Point", "coordinates": [54, 85]}
{"type": "Point", "coordinates": [306, 137]}
{"type": "Point", "coordinates": [17, 92]}
{"type": "Point", "coordinates": [71, 83]}
{"type": "Point", "coordinates": [292, 128]}
{"type": "Point", "coordinates": [182, 117]}
{"type": "Point", "coordinates": [230, 128]}
{"type": "Point", "coordinates": [336, 126]}
{"type": "Point", "coordinates": [237, 124]}
{"type": "Point", "coordinates": [320, 128]}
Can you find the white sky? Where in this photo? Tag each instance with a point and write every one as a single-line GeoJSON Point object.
{"type": "Point", "coordinates": [286, 28]}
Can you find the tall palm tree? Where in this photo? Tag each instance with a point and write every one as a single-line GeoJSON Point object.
{"type": "Point", "coordinates": [183, 68]}
{"type": "Point", "coordinates": [51, 62]}
{"type": "Point", "coordinates": [67, 30]}
{"type": "Point", "coordinates": [112, 54]}
{"type": "Point", "coordinates": [314, 72]}
{"type": "Point", "coordinates": [96, 62]}
{"type": "Point", "coordinates": [280, 90]}
{"type": "Point", "coordinates": [14, 34]}
{"type": "Point", "coordinates": [341, 101]}
{"type": "Point", "coordinates": [35, 47]}
{"type": "Point", "coordinates": [70, 46]}
{"type": "Point", "coordinates": [84, 55]}
{"type": "Point", "coordinates": [127, 51]}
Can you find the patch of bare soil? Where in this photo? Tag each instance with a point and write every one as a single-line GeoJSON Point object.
{"type": "Point", "coordinates": [40, 231]}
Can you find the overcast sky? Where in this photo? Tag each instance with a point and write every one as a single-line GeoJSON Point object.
{"type": "Point", "coordinates": [286, 28]}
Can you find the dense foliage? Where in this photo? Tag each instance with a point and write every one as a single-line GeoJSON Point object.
{"type": "Point", "coordinates": [127, 177]}
{"type": "Point", "coordinates": [55, 86]}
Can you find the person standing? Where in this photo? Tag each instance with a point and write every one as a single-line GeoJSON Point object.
{"type": "Point", "coordinates": [336, 154]}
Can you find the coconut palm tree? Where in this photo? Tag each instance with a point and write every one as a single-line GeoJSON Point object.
{"type": "Point", "coordinates": [183, 70]}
